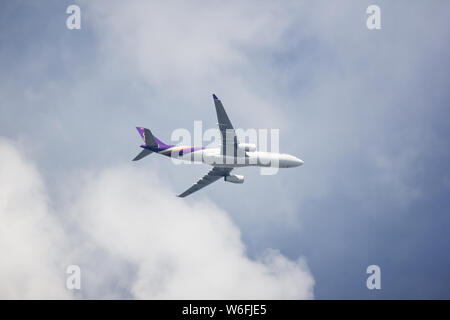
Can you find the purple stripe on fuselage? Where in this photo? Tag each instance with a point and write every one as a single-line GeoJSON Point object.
{"type": "Point", "coordinates": [182, 151]}
{"type": "Point", "coordinates": [154, 149]}
{"type": "Point", "coordinates": [168, 153]}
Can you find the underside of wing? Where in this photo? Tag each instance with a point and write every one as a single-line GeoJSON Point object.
{"type": "Point", "coordinates": [229, 139]}
{"type": "Point", "coordinates": [213, 175]}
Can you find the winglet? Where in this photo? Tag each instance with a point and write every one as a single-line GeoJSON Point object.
{"type": "Point", "coordinates": [215, 97]}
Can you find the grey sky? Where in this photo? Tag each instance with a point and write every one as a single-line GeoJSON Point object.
{"type": "Point", "coordinates": [367, 110]}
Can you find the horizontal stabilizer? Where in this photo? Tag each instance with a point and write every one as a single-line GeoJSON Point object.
{"type": "Point", "coordinates": [142, 154]}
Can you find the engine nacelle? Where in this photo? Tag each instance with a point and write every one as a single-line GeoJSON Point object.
{"type": "Point", "coordinates": [247, 147]}
{"type": "Point", "coordinates": [234, 178]}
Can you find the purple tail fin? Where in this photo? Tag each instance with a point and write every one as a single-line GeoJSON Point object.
{"type": "Point", "coordinates": [150, 140]}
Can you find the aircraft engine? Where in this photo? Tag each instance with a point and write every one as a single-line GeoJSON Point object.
{"type": "Point", "coordinates": [234, 178]}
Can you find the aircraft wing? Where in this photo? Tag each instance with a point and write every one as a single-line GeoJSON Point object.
{"type": "Point", "coordinates": [229, 139]}
{"type": "Point", "coordinates": [213, 175]}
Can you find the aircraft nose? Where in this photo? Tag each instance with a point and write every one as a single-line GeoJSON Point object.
{"type": "Point", "coordinates": [297, 162]}
{"type": "Point", "coordinates": [294, 161]}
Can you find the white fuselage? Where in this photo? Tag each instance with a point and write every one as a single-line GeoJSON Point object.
{"type": "Point", "coordinates": [213, 156]}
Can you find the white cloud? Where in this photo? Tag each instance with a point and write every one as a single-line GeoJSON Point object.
{"type": "Point", "coordinates": [193, 48]}
{"type": "Point", "coordinates": [180, 250]}
{"type": "Point", "coordinates": [183, 42]}
{"type": "Point", "coordinates": [31, 242]}
{"type": "Point", "coordinates": [176, 249]}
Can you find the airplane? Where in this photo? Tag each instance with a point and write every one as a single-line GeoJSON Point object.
{"type": "Point", "coordinates": [231, 154]}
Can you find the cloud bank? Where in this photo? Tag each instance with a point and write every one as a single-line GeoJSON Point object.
{"type": "Point", "coordinates": [173, 250]}
{"type": "Point", "coordinates": [31, 240]}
